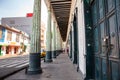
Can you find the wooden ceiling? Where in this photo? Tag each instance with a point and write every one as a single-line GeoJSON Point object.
{"type": "Point", "coordinates": [61, 9]}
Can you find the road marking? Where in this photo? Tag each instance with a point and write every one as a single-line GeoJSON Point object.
{"type": "Point", "coordinates": [13, 63]}
{"type": "Point", "coordinates": [22, 65]}
{"type": "Point", "coordinates": [17, 64]}
{"type": "Point", "coordinates": [9, 63]}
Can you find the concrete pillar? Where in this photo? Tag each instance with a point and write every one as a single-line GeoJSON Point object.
{"type": "Point", "coordinates": [58, 42]}
{"type": "Point", "coordinates": [48, 57]}
{"type": "Point", "coordinates": [19, 50]}
{"type": "Point", "coordinates": [34, 59]}
{"type": "Point", "coordinates": [4, 50]}
{"type": "Point", "coordinates": [12, 50]}
{"type": "Point", "coordinates": [54, 42]}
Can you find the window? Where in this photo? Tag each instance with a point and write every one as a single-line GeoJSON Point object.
{"type": "Point", "coordinates": [17, 37]}
{"type": "Point", "coordinates": [9, 35]}
{"type": "Point", "coordinates": [0, 33]}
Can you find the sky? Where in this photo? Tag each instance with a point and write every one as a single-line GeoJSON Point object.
{"type": "Point", "coordinates": [19, 8]}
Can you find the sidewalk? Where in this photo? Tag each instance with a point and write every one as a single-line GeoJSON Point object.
{"type": "Point", "coordinates": [60, 69]}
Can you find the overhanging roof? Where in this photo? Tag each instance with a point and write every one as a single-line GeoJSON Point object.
{"type": "Point", "coordinates": [61, 10]}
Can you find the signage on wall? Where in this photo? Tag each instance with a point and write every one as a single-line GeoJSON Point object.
{"type": "Point", "coordinates": [12, 42]}
{"type": "Point", "coordinates": [29, 15]}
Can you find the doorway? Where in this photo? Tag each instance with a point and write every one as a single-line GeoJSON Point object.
{"type": "Point", "coordinates": [106, 39]}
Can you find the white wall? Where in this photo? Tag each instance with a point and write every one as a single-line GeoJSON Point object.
{"type": "Point", "coordinates": [13, 37]}
{"type": "Point", "coordinates": [81, 37]}
{"type": "Point", "coordinates": [5, 36]}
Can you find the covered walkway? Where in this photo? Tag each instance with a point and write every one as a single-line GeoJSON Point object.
{"type": "Point", "coordinates": [89, 29]}
{"type": "Point", "coordinates": [60, 69]}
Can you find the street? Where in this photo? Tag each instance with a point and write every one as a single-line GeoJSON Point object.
{"type": "Point", "coordinates": [12, 64]}
{"type": "Point", "coordinates": [15, 62]}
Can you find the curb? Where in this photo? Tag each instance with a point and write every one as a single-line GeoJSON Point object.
{"type": "Point", "coordinates": [13, 72]}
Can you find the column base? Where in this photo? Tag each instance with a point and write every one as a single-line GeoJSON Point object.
{"type": "Point", "coordinates": [48, 60]}
{"type": "Point", "coordinates": [54, 54]}
{"type": "Point", "coordinates": [34, 71]}
{"type": "Point", "coordinates": [34, 64]}
{"type": "Point", "coordinates": [48, 57]}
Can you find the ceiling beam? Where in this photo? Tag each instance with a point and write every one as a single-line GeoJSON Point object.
{"type": "Point", "coordinates": [60, 2]}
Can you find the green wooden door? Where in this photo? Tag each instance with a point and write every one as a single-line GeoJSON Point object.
{"type": "Point", "coordinates": [75, 29]}
{"type": "Point", "coordinates": [105, 15]}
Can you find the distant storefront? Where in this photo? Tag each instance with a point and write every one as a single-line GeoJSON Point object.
{"type": "Point", "coordinates": [11, 39]}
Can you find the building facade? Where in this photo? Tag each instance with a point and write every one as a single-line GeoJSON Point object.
{"type": "Point", "coordinates": [13, 41]}
{"type": "Point", "coordinates": [93, 38]}
{"type": "Point", "coordinates": [24, 24]}
{"type": "Point", "coordinates": [21, 23]}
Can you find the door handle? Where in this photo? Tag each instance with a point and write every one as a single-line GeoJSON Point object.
{"type": "Point", "coordinates": [105, 38]}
